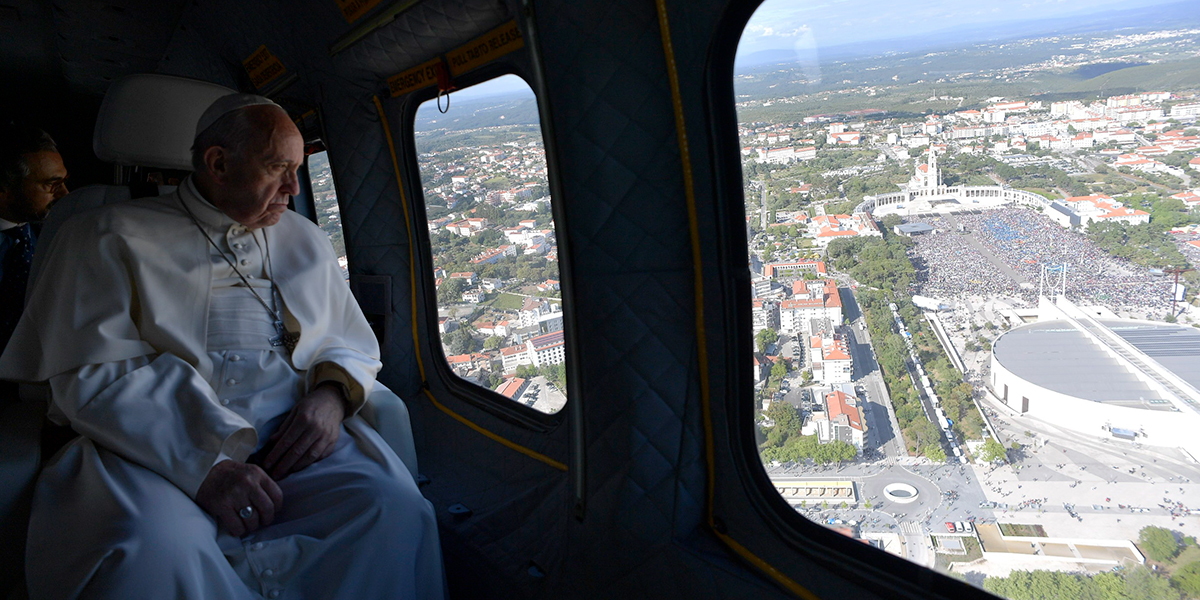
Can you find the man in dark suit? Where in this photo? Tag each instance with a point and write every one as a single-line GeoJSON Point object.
{"type": "Point", "coordinates": [32, 177]}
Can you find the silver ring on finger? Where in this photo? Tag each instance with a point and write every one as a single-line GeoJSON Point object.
{"type": "Point", "coordinates": [246, 512]}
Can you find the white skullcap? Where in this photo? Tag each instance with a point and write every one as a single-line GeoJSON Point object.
{"type": "Point", "coordinates": [227, 104]}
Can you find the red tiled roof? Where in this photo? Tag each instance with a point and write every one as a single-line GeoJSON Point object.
{"type": "Point", "coordinates": [838, 404]}
{"type": "Point", "coordinates": [509, 388]}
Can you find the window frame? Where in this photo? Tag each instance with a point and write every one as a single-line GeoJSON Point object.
{"type": "Point", "coordinates": [310, 203]}
{"type": "Point", "coordinates": [477, 395]}
{"type": "Point", "coordinates": [886, 574]}
{"type": "Point", "coordinates": [304, 203]}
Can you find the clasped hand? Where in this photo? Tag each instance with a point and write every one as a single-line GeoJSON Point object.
{"type": "Point", "coordinates": [308, 434]}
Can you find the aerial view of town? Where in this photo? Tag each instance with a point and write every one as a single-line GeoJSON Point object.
{"type": "Point", "coordinates": [976, 332]}
{"type": "Point", "coordinates": [495, 255]}
{"type": "Point", "coordinates": [974, 274]}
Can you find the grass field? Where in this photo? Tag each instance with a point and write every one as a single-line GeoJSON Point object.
{"type": "Point", "coordinates": [507, 302]}
{"type": "Point", "coordinates": [1043, 193]}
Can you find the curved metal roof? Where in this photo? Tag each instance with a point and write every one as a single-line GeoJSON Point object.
{"type": "Point", "coordinates": [1056, 356]}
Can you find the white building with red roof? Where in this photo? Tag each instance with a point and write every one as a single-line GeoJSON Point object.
{"type": "Point", "coordinates": [1189, 197]}
{"type": "Point", "coordinates": [1135, 114]}
{"type": "Point", "coordinates": [831, 359]}
{"type": "Point", "coordinates": [824, 229]}
{"type": "Point", "coordinates": [462, 363]}
{"type": "Point", "coordinates": [845, 138]}
{"type": "Point", "coordinates": [1101, 208]}
{"type": "Point", "coordinates": [797, 267]}
{"type": "Point", "coordinates": [490, 256]}
{"type": "Point", "coordinates": [785, 155]}
{"type": "Point", "coordinates": [843, 420]}
{"type": "Point", "coordinates": [497, 328]}
{"type": "Point", "coordinates": [512, 388]}
{"type": "Point", "coordinates": [1139, 162]}
{"type": "Point", "coordinates": [811, 300]}
{"type": "Point", "coordinates": [548, 349]}
{"type": "Point", "coordinates": [512, 357]}
{"type": "Point", "coordinates": [1189, 109]}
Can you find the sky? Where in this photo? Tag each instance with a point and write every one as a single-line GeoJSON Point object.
{"type": "Point", "coordinates": [802, 25]}
{"type": "Point", "coordinates": [505, 85]}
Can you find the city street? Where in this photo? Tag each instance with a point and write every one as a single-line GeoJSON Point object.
{"type": "Point", "coordinates": [883, 431]}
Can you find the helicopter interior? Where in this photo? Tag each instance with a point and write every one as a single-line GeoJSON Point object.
{"type": "Point", "coordinates": [648, 482]}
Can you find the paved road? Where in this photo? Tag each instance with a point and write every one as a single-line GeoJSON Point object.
{"type": "Point", "coordinates": [883, 431]}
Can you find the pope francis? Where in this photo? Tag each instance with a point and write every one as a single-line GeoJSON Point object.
{"type": "Point", "coordinates": [207, 350]}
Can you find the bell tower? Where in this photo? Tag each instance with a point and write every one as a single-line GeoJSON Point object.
{"type": "Point", "coordinates": [933, 178]}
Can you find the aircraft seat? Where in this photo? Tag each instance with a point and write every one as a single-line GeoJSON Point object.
{"type": "Point", "coordinates": [144, 121]}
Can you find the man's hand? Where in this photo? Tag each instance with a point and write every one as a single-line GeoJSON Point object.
{"type": "Point", "coordinates": [308, 434]}
{"type": "Point", "coordinates": [231, 486]}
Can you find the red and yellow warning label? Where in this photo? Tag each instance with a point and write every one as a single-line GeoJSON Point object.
{"type": "Point", "coordinates": [263, 67]}
{"type": "Point", "coordinates": [486, 48]}
{"type": "Point", "coordinates": [420, 76]}
{"type": "Point", "coordinates": [353, 9]}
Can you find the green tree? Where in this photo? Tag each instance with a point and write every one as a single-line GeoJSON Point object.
{"type": "Point", "coordinates": [935, 453]}
{"type": "Point", "coordinates": [1110, 586]}
{"type": "Point", "coordinates": [779, 370]}
{"type": "Point", "coordinates": [787, 425]}
{"type": "Point", "coordinates": [992, 450]}
{"type": "Point", "coordinates": [450, 292]}
{"type": "Point", "coordinates": [1187, 579]}
{"type": "Point", "coordinates": [765, 338]}
{"type": "Point", "coordinates": [492, 342]}
{"type": "Point", "coordinates": [461, 341]}
{"type": "Point", "coordinates": [555, 374]}
{"type": "Point", "coordinates": [1159, 543]}
{"type": "Point", "coordinates": [1143, 584]}
{"type": "Point", "coordinates": [497, 183]}
{"type": "Point", "coordinates": [806, 376]}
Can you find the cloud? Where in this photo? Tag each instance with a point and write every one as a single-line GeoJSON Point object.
{"type": "Point", "coordinates": [768, 31]}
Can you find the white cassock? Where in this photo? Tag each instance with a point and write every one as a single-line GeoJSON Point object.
{"type": "Point", "coordinates": [159, 356]}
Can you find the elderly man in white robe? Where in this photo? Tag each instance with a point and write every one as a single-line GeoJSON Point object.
{"type": "Point", "coordinates": [207, 350]}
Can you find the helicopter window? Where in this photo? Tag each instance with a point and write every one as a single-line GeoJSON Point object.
{"type": "Point", "coordinates": [942, 203]}
{"type": "Point", "coordinates": [329, 216]}
{"type": "Point", "coordinates": [492, 235]}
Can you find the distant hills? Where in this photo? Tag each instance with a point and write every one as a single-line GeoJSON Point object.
{"type": "Point", "coordinates": [509, 109]}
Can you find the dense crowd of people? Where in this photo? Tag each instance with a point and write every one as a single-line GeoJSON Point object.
{"type": "Point", "coordinates": [1025, 240]}
{"type": "Point", "coordinates": [949, 267]}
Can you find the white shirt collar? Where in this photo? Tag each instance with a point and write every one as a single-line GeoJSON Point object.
{"type": "Point", "coordinates": [6, 225]}
{"type": "Point", "coordinates": [205, 211]}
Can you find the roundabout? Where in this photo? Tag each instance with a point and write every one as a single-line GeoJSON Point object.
{"type": "Point", "coordinates": [900, 493]}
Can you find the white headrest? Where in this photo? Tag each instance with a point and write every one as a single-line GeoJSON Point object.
{"type": "Point", "coordinates": [150, 120]}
